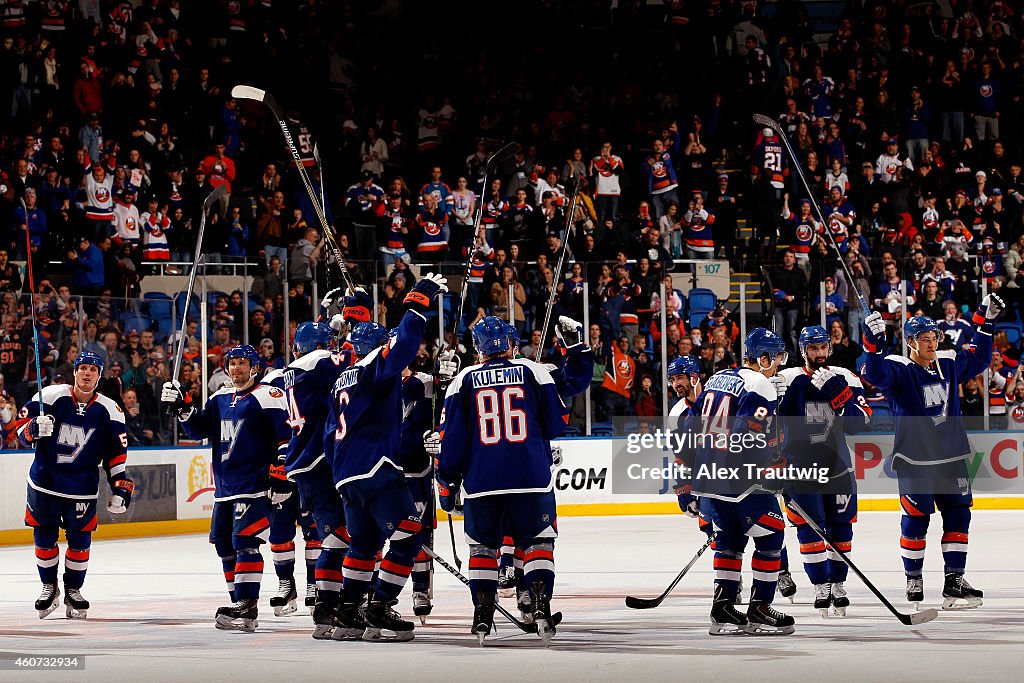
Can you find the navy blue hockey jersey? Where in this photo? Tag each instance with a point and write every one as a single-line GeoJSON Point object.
{"type": "Point", "coordinates": [810, 435]}
{"type": "Point", "coordinates": [306, 384]}
{"type": "Point", "coordinates": [86, 436]}
{"type": "Point", "coordinates": [574, 374]}
{"type": "Point", "coordinates": [498, 419]}
{"type": "Point", "coordinates": [417, 417]}
{"type": "Point", "coordinates": [916, 393]}
{"type": "Point", "coordinates": [367, 406]}
{"type": "Point", "coordinates": [249, 432]}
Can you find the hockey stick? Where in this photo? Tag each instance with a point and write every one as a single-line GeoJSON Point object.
{"type": "Point", "coordinates": [32, 305]}
{"type": "Point", "coordinates": [451, 534]}
{"type": "Point", "coordinates": [502, 154]}
{"type": "Point", "coordinates": [762, 120]}
{"type": "Point", "coordinates": [323, 184]}
{"type": "Point", "coordinates": [247, 92]}
{"type": "Point", "coordinates": [768, 297]}
{"type": "Point", "coordinates": [218, 192]}
{"type": "Point", "coordinates": [650, 603]}
{"type": "Point", "coordinates": [912, 619]}
{"type": "Point", "coordinates": [523, 626]}
{"type": "Point", "coordinates": [561, 264]}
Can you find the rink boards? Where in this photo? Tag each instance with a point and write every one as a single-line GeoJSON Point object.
{"type": "Point", "coordinates": [174, 486]}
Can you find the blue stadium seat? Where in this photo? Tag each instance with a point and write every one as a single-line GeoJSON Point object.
{"type": "Point", "coordinates": [1014, 331]}
{"type": "Point", "coordinates": [179, 304]}
{"type": "Point", "coordinates": [699, 302]}
{"type": "Point", "coordinates": [134, 321]}
{"type": "Point", "coordinates": [157, 304]}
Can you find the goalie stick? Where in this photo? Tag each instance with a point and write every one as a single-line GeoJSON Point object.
{"type": "Point", "coordinates": [650, 603]}
{"type": "Point", "coordinates": [207, 203]}
{"type": "Point", "coordinates": [523, 626]}
{"type": "Point", "coordinates": [247, 92]}
{"type": "Point", "coordinates": [762, 120]}
{"type": "Point", "coordinates": [922, 617]}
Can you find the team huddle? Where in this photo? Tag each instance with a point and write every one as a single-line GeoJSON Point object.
{"type": "Point", "coordinates": [347, 442]}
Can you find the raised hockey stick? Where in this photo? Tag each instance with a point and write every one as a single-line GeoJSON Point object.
{"type": "Point", "coordinates": [499, 156]}
{"type": "Point", "coordinates": [912, 619]}
{"type": "Point", "coordinates": [762, 120]}
{"type": "Point", "coordinates": [523, 626]}
{"type": "Point", "coordinates": [247, 92]}
{"type": "Point", "coordinates": [32, 305]}
{"type": "Point", "coordinates": [561, 264]}
{"type": "Point", "coordinates": [207, 203]}
{"type": "Point", "coordinates": [650, 603]}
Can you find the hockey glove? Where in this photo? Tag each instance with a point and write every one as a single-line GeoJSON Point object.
{"type": "Point", "coordinates": [556, 456]}
{"type": "Point", "coordinates": [989, 309]}
{"type": "Point", "coordinates": [447, 495]}
{"type": "Point", "coordinates": [447, 366]}
{"type": "Point", "coordinates": [41, 427]}
{"type": "Point", "coordinates": [280, 488]}
{"type": "Point", "coordinates": [780, 385]}
{"type": "Point", "coordinates": [874, 333]}
{"type": "Point", "coordinates": [329, 298]}
{"type": "Point", "coordinates": [424, 292]}
{"type": "Point", "coordinates": [432, 442]}
{"type": "Point", "coordinates": [833, 387]}
{"type": "Point", "coordinates": [687, 501]}
{"type": "Point", "coordinates": [357, 306]}
{"type": "Point", "coordinates": [569, 332]}
{"type": "Point", "coordinates": [121, 497]}
{"type": "Point", "coordinates": [179, 402]}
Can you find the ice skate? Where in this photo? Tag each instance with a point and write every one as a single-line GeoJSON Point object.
{"type": "Point", "coordinates": [238, 617]}
{"type": "Point", "coordinates": [310, 596]}
{"type": "Point", "coordinates": [786, 585]}
{"type": "Point", "coordinates": [483, 616]}
{"type": "Point", "coordinates": [77, 606]}
{"type": "Point", "coordinates": [324, 621]}
{"type": "Point", "coordinates": [507, 582]}
{"type": "Point", "coordinates": [381, 617]}
{"type": "Point", "coordinates": [542, 614]}
{"type": "Point", "coordinates": [525, 604]}
{"type": "Point", "coordinates": [957, 593]}
{"type": "Point", "coordinates": [349, 623]}
{"type": "Point", "coordinates": [284, 602]}
{"type": "Point", "coordinates": [823, 598]}
{"type": "Point", "coordinates": [915, 591]}
{"type": "Point", "coordinates": [726, 620]}
{"type": "Point", "coordinates": [839, 600]}
{"type": "Point", "coordinates": [421, 605]}
{"type": "Point", "coordinates": [738, 600]}
{"type": "Point", "coordinates": [764, 620]}
{"type": "Point", "coordinates": [49, 600]}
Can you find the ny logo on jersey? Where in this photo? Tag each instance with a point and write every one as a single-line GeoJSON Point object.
{"type": "Point", "coordinates": [74, 437]}
{"type": "Point", "coordinates": [936, 396]}
{"type": "Point", "coordinates": [80, 509]}
{"type": "Point", "coordinates": [843, 502]}
{"type": "Point", "coordinates": [229, 431]}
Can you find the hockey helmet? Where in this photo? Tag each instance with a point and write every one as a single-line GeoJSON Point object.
{"type": "Point", "coordinates": [513, 335]}
{"type": "Point", "coordinates": [760, 342]}
{"type": "Point", "coordinates": [918, 324]}
{"type": "Point", "coordinates": [814, 334]}
{"type": "Point", "coordinates": [247, 352]}
{"type": "Point", "coordinates": [89, 358]}
{"type": "Point", "coordinates": [684, 365]}
{"type": "Point", "coordinates": [365, 337]}
{"type": "Point", "coordinates": [491, 336]}
{"type": "Point", "coordinates": [309, 336]}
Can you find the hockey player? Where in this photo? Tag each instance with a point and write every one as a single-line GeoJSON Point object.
{"type": "Point", "coordinates": [499, 417]}
{"type": "Point", "coordinates": [816, 394]}
{"type": "Point", "coordinates": [931, 444]}
{"type": "Point", "coordinates": [367, 401]}
{"type": "Point", "coordinates": [74, 432]}
{"type": "Point", "coordinates": [247, 423]}
{"type": "Point", "coordinates": [307, 382]}
{"type": "Point", "coordinates": [741, 402]}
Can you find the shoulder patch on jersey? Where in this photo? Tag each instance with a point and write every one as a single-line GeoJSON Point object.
{"type": "Point", "coordinates": [274, 374]}
{"type": "Point", "coordinates": [790, 374]}
{"type": "Point", "coordinates": [851, 378]}
{"type": "Point", "coordinates": [899, 359]}
{"type": "Point", "coordinates": [268, 396]}
{"type": "Point", "coordinates": [52, 393]}
{"type": "Point", "coordinates": [114, 410]}
{"type": "Point", "coordinates": [756, 383]}
{"type": "Point", "coordinates": [222, 391]}
{"type": "Point", "coordinates": [309, 361]}
{"type": "Point", "coordinates": [456, 384]}
{"type": "Point", "coordinates": [948, 353]}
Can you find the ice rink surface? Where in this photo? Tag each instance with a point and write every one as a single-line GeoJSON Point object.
{"type": "Point", "coordinates": [153, 602]}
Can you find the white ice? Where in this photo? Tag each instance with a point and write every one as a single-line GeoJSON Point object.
{"type": "Point", "coordinates": [153, 602]}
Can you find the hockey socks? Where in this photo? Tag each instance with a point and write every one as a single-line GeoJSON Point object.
{"type": "Point", "coordinates": [76, 558]}
{"type": "Point", "coordinates": [483, 572]}
{"type": "Point", "coordinates": [248, 574]}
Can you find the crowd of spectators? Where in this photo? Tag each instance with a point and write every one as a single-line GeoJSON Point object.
{"type": "Point", "coordinates": [116, 121]}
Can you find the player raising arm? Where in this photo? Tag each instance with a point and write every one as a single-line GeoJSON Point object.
{"type": "Point", "coordinates": [931, 445]}
{"type": "Point", "coordinates": [247, 425]}
{"type": "Point", "coordinates": [74, 432]}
